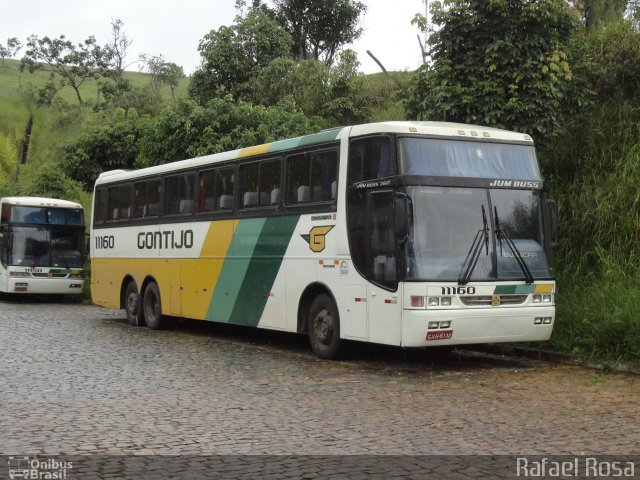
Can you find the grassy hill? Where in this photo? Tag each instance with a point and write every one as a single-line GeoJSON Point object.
{"type": "Point", "coordinates": [54, 126]}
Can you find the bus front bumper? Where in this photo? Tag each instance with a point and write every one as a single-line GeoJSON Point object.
{"type": "Point", "coordinates": [46, 286]}
{"type": "Point", "coordinates": [432, 328]}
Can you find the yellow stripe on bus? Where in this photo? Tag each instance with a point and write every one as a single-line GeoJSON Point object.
{"type": "Point", "coordinates": [544, 288]}
{"type": "Point", "coordinates": [199, 277]}
{"type": "Point", "coordinates": [257, 150]}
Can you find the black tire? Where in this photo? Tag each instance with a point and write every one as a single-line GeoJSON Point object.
{"type": "Point", "coordinates": [132, 305]}
{"type": "Point", "coordinates": [152, 307]}
{"type": "Point", "coordinates": [324, 327]}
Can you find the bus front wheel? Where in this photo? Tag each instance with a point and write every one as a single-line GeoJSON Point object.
{"type": "Point", "coordinates": [152, 307]}
{"type": "Point", "coordinates": [324, 327]}
{"type": "Point", "coordinates": [132, 305]}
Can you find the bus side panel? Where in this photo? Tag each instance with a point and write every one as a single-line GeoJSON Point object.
{"type": "Point", "coordinates": [200, 276]}
{"type": "Point", "coordinates": [249, 272]}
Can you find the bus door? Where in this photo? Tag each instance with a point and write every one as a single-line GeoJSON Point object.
{"type": "Point", "coordinates": [383, 297]}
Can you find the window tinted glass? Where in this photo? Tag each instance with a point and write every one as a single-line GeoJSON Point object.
{"type": "Point", "coordinates": [455, 158]}
{"type": "Point", "coordinates": [119, 203]}
{"type": "Point", "coordinates": [146, 199]}
{"type": "Point", "coordinates": [101, 205]}
{"type": "Point", "coordinates": [371, 158]}
{"type": "Point", "coordinates": [224, 188]}
{"type": "Point", "coordinates": [260, 184]}
{"type": "Point", "coordinates": [179, 195]}
{"type": "Point", "coordinates": [312, 177]}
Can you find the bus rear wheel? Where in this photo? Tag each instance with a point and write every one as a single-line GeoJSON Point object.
{"type": "Point", "coordinates": [324, 327]}
{"type": "Point", "coordinates": [152, 307]}
{"type": "Point", "coordinates": [132, 306]}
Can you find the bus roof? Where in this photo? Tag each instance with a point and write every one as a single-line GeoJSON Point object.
{"type": "Point", "coordinates": [442, 129]}
{"type": "Point", "coordinates": [40, 202]}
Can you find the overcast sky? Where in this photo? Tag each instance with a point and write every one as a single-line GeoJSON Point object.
{"type": "Point", "coordinates": [174, 28]}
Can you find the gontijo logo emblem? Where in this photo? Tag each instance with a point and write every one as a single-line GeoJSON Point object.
{"type": "Point", "coordinates": [316, 237]}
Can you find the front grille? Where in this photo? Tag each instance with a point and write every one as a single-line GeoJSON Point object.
{"type": "Point", "coordinates": [486, 300]}
{"type": "Point", "coordinates": [51, 275]}
{"type": "Point", "coordinates": [475, 301]}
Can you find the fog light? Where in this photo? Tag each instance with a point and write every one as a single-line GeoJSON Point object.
{"type": "Point", "coordinates": [546, 320]}
{"type": "Point", "coordinates": [75, 285]}
{"type": "Point", "coordinates": [446, 324]}
{"type": "Point", "coordinates": [546, 298]}
{"type": "Point", "coordinates": [537, 321]}
{"type": "Point", "coordinates": [434, 301]}
{"type": "Point", "coordinates": [417, 302]}
{"type": "Point", "coordinates": [433, 325]}
{"type": "Point", "coordinates": [445, 301]}
{"type": "Point", "coordinates": [537, 299]}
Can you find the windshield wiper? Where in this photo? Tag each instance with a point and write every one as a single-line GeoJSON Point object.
{"type": "Point", "coordinates": [503, 235]}
{"type": "Point", "coordinates": [481, 240]}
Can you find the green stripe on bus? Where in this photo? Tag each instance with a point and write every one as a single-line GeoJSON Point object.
{"type": "Point", "coordinates": [514, 289]}
{"type": "Point", "coordinates": [263, 268]}
{"type": "Point", "coordinates": [284, 145]}
{"type": "Point", "coordinates": [525, 289]}
{"type": "Point", "coordinates": [320, 137]}
{"type": "Point", "coordinates": [234, 269]}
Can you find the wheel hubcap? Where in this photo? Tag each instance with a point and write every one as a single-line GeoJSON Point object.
{"type": "Point", "coordinates": [323, 326]}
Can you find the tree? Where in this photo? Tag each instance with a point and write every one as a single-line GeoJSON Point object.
{"type": "Point", "coordinates": [500, 63]}
{"type": "Point", "coordinates": [320, 28]}
{"type": "Point", "coordinates": [101, 149]}
{"type": "Point", "coordinates": [164, 73]}
{"type": "Point", "coordinates": [67, 64]}
{"type": "Point", "coordinates": [11, 49]}
{"type": "Point", "coordinates": [598, 12]}
{"type": "Point", "coordinates": [114, 61]}
{"type": "Point", "coordinates": [188, 130]}
{"type": "Point", "coordinates": [234, 54]}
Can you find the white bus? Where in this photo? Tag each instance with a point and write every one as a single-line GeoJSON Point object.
{"type": "Point", "coordinates": [415, 234]}
{"type": "Point", "coordinates": [41, 246]}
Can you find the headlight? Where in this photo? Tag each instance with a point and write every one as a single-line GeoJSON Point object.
{"type": "Point", "coordinates": [19, 274]}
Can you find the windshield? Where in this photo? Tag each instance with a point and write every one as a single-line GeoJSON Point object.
{"type": "Point", "coordinates": [46, 247]}
{"type": "Point", "coordinates": [46, 215]}
{"type": "Point", "coordinates": [474, 159]}
{"type": "Point", "coordinates": [446, 221]}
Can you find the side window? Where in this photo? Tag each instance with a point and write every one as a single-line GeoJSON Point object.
{"type": "Point", "coordinates": [249, 177]}
{"type": "Point", "coordinates": [270, 183]}
{"type": "Point", "coordinates": [101, 205]}
{"type": "Point", "coordinates": [146, 199]}
{"type": "Point", "coordinates": [371, 158]}
{"type": "Point", "coordinates": [260, 184]}
{"type": "Point", "coordinates": [119, 203]}
{"type": "Point", "coordinates": [324, 168]}
{"type": "Point", "coordinates": [179, 195]}
{"type": "Point", "coordinates": [215, 190]}
{"type": "Point", "coordinates": [371, 229]}
{"type": "Point", "coordinates": [139, 199]}
{"type": "Point", "coordinates": [312, 177]}
{"type": "Point", "coordinates": [298, 175]}
{"type": "Point", "coordinates": [224, 188]}
{"type": "Point", "coordinates": [207, 191]}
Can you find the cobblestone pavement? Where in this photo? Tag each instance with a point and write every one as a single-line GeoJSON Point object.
{"type": "Point", "coordinates": [77, 379]}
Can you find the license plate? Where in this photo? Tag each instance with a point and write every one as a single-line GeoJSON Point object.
{"type": "Point", "coordinates": [440, 335]}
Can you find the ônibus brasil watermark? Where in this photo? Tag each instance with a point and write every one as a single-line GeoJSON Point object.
{"type": "Point", "coordinates": [581, 467]}
{"type": "Point", "coordinates": [35, 468]}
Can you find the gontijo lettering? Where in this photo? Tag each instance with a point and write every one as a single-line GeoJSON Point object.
{"type": "Point", "coordinates": [167, 239]}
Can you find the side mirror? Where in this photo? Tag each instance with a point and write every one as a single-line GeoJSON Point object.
{"type": "Point", "coordinates": [402, 212]}
{"type": "Point", "coordinates": [553, 221]}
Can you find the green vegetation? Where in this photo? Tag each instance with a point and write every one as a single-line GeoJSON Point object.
{"type": "Point", "coordinates": [572, 82]}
